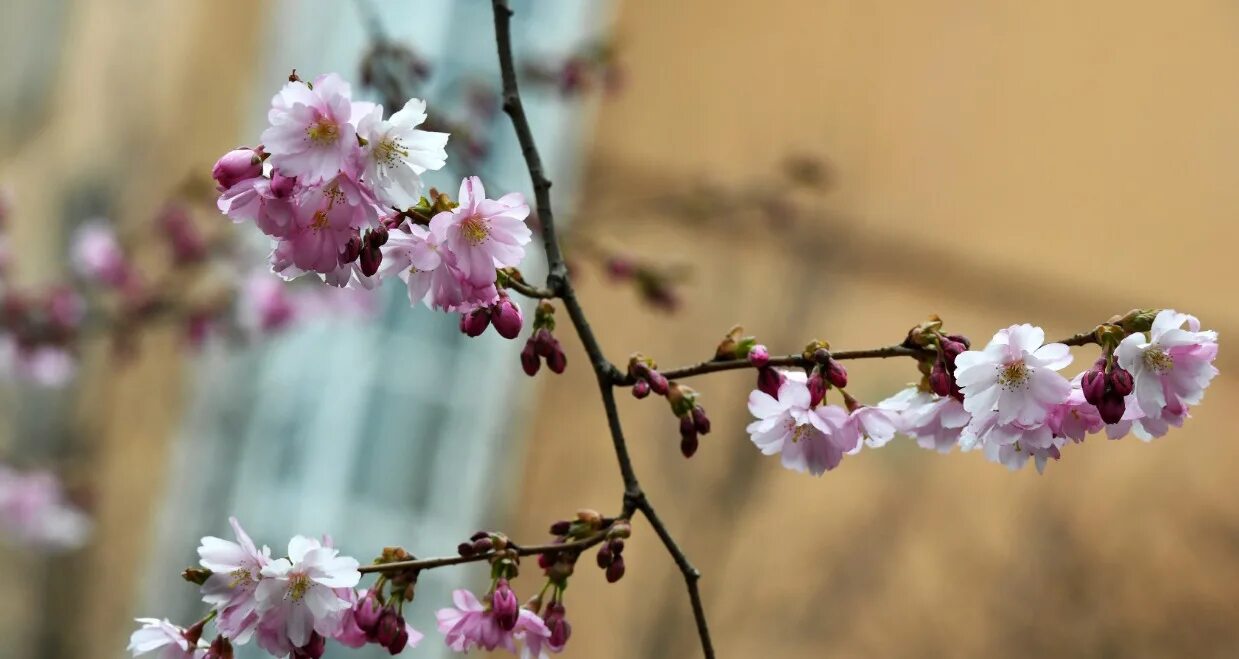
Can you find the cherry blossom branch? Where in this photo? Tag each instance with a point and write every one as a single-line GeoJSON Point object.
{"type": "Point", "coordinates": [716, 366]}
{"type": "Point", "coordinates": [559, 282]}
{"type": "Point", "coordinates": [521, 550]}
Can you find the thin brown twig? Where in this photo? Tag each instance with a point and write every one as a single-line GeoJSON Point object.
{"type": "Point", "coordinates": [521, 550]}
{"type": "Point", "coordinates": [559, 282]}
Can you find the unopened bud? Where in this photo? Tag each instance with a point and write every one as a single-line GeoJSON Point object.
{"type": "Point", "coordinates": [504, 606]}
{"type": "Point", "coordinates": [1121, 381]}
{"type": "Point", "coordinates": [352, 250]}
{"type": "Point", "coordinates": [483, 545]}
{"type": "Point", "coordinates": [960, 338]}
{"type": "Point", "coordinates": [401, 641]}
{"type": "Point", "coordinates": [282, 186]}
{"type": "Point", "coordinates": [1111, 407]}
{"type": "Point", "coordinates": [817, 388]}
{"type": "Point", "coordinates": [759, 356]}
{"type": "Point", "coordinates": [589, 516]}
{"type": "Point", "coordinates": [368, 610]}
{"type": "Point", "coordinates": [236, 166]}
{"type": "Point", "coordinates": [507, 318]}
{"type": "Point", "coordinates": [465, 549]}
{"type": "Point", "coordinates": [561, 631]}
{"type": "Point", "coordinates": [558, 361]}
{"type": "Point", "coordinates": [689, 445]}
{"type": "Point", "coordinates": [939, 379]}
{"type": "Point", "coordinates": [530, 362]}
{"type": "Point", "coordinates": [544, 343]}
{"type": "Point", "coordinates": [836, 374]}
{"type": "Point", "coordinates": [474, 322]}
{"type": "Point", "coordinates": [196, 575]}
{"type": "Point", "coordinates": [221, 648]}
{"type": "Point", "coordinates": [313, 649]}
{"type": "Point", "coordinates": [769, 380]}
{"type": "Point", "coordinates": [700, 420]}
{"type": "Point", "coordinates": [1093, 382]}
{"type": "Point", "coordinates": [605, 557]}
{"type": "Point", "coordinates": [388, 626]}
{"type": "Point", "coordinates": [951, 350]}
{"type": "Point", "coordinates": [658, 383]}
{"type": "Point", "coordinates": [370, 259]}
{"type": "Point", "coordinates": [377, 237]}
{"type": "Point", "coordinates": [615, 571]}
{"type": "Point", "coordinates": [562, 527]}
{"type": "Point", "coordinates": [641, 389]}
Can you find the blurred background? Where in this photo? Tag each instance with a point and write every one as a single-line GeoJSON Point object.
{"type": "Point", "coordinates": [833, 170]}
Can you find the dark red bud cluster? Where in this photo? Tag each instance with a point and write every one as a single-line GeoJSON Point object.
{"type": "Point", "coordinates": [611, 559]}
{"type": "Point", "coordinates": [543, 346]}
{"type": "Point", "coordinates": [649, 380]}
{"type": "Point", "coordinates": [1106, 389]}
{"type": "Point", "coordinates": [505, 315]}
{"type": "Point", "coordinates": [371, 256]}
{"type": "Point", "coordinates": [942, 375]}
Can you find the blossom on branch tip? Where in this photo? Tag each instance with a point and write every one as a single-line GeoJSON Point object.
{"type": "Point", "coordinates": [1172, 365]}
{"type": "Point", "coordinates": [809, 439]}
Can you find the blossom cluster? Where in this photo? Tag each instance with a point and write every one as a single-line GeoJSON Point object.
{"type": "Point", "coordinates": [293, 606]}
{"type": "Point", "coordinates": [1007, 400]}
{"type": "Point", "coordinates": [35, 511]}
{"type": "Point", "coordinates": [338, 188]}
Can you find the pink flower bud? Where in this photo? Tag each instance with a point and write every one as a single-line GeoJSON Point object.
{"type": "Point", "coordinates": [530, 362]}
{"type": "Point", "coordinates": [556, 620]}
{"type": "Point", "coordinates": [605, 557]}
{"type": "Point", "coordinates": [939, 379]}
{"type": "Point", "coordinates": [1111, 407]}
{"type": "Point", "coordinates": [377, 237]}
{"type": "Point", "coordinates": [558, 361]}
{"type": "Point", "coordinates": [507, 318]}
{"type": "Point", "coordinates": [562, 527]}
{"type": "Point", "coordinates": [504, 606]}
{"type": "Point", "coordinates": [641, 389]}
{"type": "Point", "coordinates": [236, 166]}
{"type": "Point", "coordinates": [952, 349]}
{"type": "Point", "coordinates": [700, 420]}
{"type": "Point", "coordinates": [1121, 381]}
{"type": "Point", "coordinates": [615, 571]}
{"type": "Point", "coordinates": [688, 436]}
{"type": "Point", "coordinates": [769, 381]}
{"type": "Point", "coordinates": [817, 388]}
{"type": "Point", "coordinates": [352, 250]}
{"type": "Point", "coordinates": [759, 356]}
{"type": "Point", "coordinates": [401, 640]}
{"type": "Point", "coordinates": [474, 322]}
{"type": "Point", "coordinates": [389, 626]}
{"type": "Point", "coordinates": [282, 186]}
{"type": "Point", "coordinates": [221, 648]}
{"type": "Point", "coordinates": [544, 343]}
{"type": "Point", "coordinates": [836, 374]}
{"type": "Point", "coordinates": [1093, 383]}
{"type": "Point", "coordinates": [371, 257]}
{"type": "Point", "coordinates": [658, 383]}
{"type": "Point", "coordinates": [960, 338]}
{"type": "Point", "coordinates": [313, 649]}
{"type": "Point", "coordinates": [366, 612]}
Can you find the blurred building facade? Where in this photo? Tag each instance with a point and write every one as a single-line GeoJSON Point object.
{"type": "Point", "coordinates": [990, 162]}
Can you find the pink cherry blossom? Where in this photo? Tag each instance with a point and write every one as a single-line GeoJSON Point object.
{"type": "Point", "coordinates": [97, 254]}
{"type": "Point", "coordinates": [808, 439]}
{"type": "Point", "coordinates": [1015, 376]}
{"type": "Point", "coordinates": [397, 153]}
{"type": "Point", "coordinates": [875, 425]}
{"type": "Point", "coordinates": [297, 596]}
{"type": "Point", "coordinates": [1171, 366]}
{"type": "Point", "coordinates": [236, 569]}
{"type": "Point", "coordinates": [470, 625]}
{"type": "Point", "coordinates": [165, 639]}
{"type": "Point", "coordinates": [324, 219]}
{"type": "Point", "coordinates": [935, 422]}
{"type": "Point", "coordinates": [310, 136]}
{"type": "Point", "coordinates": [1148, 427]}
{"type": "Point", "coordinates": [484, 234]}
{"type": "Point", "coordinates": [1075, 418]}
{"type": "Point", "coordinates": [1011, 444]}
{"type": "Point", "coordinates": [34, 511]}
{"type": "Point", "coordinates": [429, 271]}
{"type": "Point", "coordinates": [267, 202]}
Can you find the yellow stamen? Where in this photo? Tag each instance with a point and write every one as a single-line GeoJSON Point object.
{"type": "Point", "coordinates": [323, 132]}
{"type": "Point", "coordinates": [474, 230]}
{"type": "Point", "coordinates": [1158, 360]}
{"type": "Point", "coordinates": [1014, 376]}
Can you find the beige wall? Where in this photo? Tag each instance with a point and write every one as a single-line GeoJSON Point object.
{"type": "Point", "coordinates": [994, 162]}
